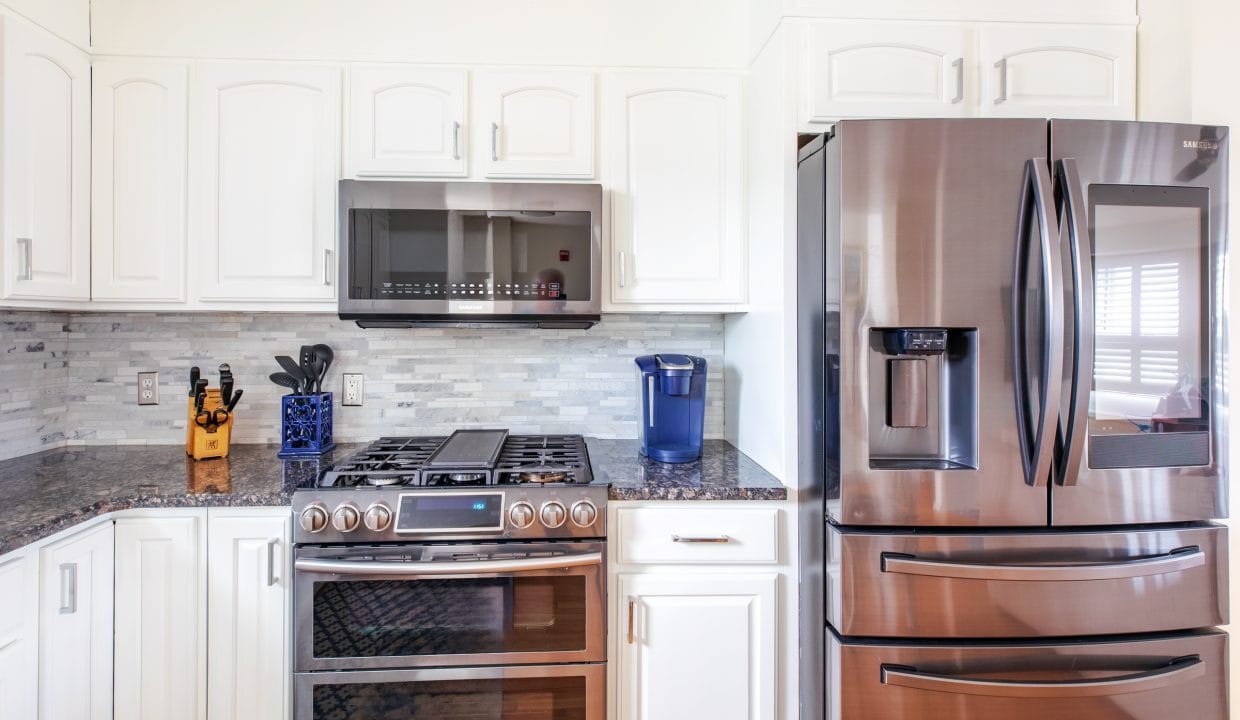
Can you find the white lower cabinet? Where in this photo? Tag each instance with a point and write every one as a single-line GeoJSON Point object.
{"type": "Point", "coordinates": [248, 591]}
{"type": "Point", "coordinates": [75, 626]}
{"type": "Point", "coordinates": [19, 628]}
{"type": "Point", "coordinates": [160, 617]}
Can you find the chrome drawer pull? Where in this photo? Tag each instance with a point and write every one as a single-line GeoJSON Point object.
{"type": "Point", "coordinates": [1180, 559]}
{"type": "Point", "coordinates": [719, 539]}
{"type": "Point", "coordinates": [68, 588]}
{"type": "Point", "coordinates": [632, 602]}
{"type": "Point", "coordinates": [272, 544]}
{"type": "Point", "coordinates": [1178, 670]}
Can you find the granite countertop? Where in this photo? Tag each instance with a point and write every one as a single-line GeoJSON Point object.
{"type": "Point", "coordinates": [47, 492]}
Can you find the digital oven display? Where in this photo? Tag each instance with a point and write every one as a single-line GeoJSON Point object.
{"type": "Point", "coordinates": [451, 512]}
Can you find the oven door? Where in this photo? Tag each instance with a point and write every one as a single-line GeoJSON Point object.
{"type": "Point", "coordinates": [556, 692]}
{"type": "Point", "coordinates": [371, 607]}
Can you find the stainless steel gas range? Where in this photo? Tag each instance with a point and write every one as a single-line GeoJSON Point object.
{"type": "Point", "coordinates": [458, 577]}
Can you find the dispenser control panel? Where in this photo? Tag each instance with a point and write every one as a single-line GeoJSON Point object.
{"type": "Point", "coordinates": [914, 341]}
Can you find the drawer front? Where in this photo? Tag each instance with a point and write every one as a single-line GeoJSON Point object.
{"type": "Point", "coordinates": [1182, 676]}
{"type": "Point", "coordinates": [698, 535]}
{"type": "Point", "coordinates": [999, 585]}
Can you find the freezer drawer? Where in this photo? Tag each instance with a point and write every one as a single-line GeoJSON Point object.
{"type": "Point", "coordinates": [1175, 676]}
{"type": "Point", "coordinates": [1025, 584]}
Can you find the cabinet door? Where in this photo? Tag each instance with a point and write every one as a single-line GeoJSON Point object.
{"type": "Point", "coordinates": [696, 646]}
{"type": "Point", "coordinates": [160, 619]}
{"type": "Point", "coordinates": [247, 599]}
{"type": "Point", "coordinates": [886, 70]}
{"type": "Point", "coordinates": [535, 123]}
{"type": "Point", "coordinates": [19, 629]}
{"type": "Point", "coordinates": [677, 190]}
{"type": "Point", "coordinates": [45, 161]}
{"type": "Point", "coordinates": [138, 180]}
{"type": "Point", "coordinates": [265, 144]}
{"type": "Point", "coordinates": [75, 627]}
{"type": "Point", "coordinates": [1045, 71]}
{"type": "Point", "coordinates": [407, 121]}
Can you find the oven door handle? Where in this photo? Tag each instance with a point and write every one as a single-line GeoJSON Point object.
{"type": "Point", "coordinates": [425, 569]}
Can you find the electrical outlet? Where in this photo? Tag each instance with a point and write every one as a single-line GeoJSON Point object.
{"type": "Point", "coordinates": [148, 388]}
{"type": "Point", "coordinates": [352, 394]}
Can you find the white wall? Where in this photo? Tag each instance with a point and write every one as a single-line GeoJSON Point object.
{"type": "Point", "coordinates": [70, 19]}
{"type": "Point", "coordinates": [672, 33]}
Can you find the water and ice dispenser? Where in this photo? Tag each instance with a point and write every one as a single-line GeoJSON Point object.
{"type": "Point", "coordinates": [672, 398]}
{"type": "Point", "coordinates": [923, 398]}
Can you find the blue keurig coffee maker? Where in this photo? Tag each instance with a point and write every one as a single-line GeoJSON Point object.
{"type": "Point", "coordinates": [672, 389]}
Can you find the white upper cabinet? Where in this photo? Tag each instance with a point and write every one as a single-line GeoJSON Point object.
{"type": "Point", "coordinates": [1059, 71]}
{"type": "Point", "coordinates": [44, 164]}
{"type": "Point", "coordinates": [857, 69]}
{"type": "Point", "coordinates": [674, 153]}
{"type": "Point", "coordinates": [534, 123]}
{"type": "Point", "coordinates": [138, 244]}
{"type": "Point", "coordinates": [264, 166]}
{"type": "Point", "coordinates": [407, 121]}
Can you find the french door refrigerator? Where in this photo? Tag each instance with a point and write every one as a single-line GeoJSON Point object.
{"type": "Point", "coordinates": [1011, 370]}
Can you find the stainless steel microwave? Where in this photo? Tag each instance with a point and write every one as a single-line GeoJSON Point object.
{"type": "Point", "coordinates": [466, 254]}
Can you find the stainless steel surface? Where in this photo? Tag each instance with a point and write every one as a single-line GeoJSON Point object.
{"type": "Point", "coordinates": [1025, 584]}
{"type": "Point", "coordinates": [1169, 155]}
{"type": "Point", "coordinates": [378, 517]}
{"type": "Point", "coordinates": [1002, 67]}
{"type": "Point", "coordinates": [345, 518]}
{"type": "Point", "coordinates": [958, 65]}
{"type": "Point", "coordinates": [272, 544]}
{"type": "Point", "coordinates": [583, 513]}
{"type": "Point", "coordinates": [27, 258]}
{"type": "Point", "coordinates": [1144, 678]}
{"type": "Point", "coordinates": [313, 518]}
{"type": "Point", "coordinates": [1164, 673]}
{"type": "Point", "coordinates": [494, 142]}
{"type": "Point", "coordinates": [906, 393]}
{"type": "Point", "coordinates": [327, 267]}
{"type": "Point", "coordinates": [552, 514]}
{"type": "Point", "coordinates": [456, 140]}
{"type": "Point", "coordinates": [669, 365]}
{"type": "Point", "coordinates": [716, 539]}
{"type": "Point", "coordinates": [68, 588]}
{"type": "Point", "coordinates": [1082, 265]}
{"type": "Point", "coordinates": [521, 515]}
{"type": "Point", "coordinates": [595, 677]}
{"type": "Point", "coordinates": [442, 568]}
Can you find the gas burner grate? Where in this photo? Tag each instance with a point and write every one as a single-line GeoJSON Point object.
{"type": "Point", "coordinates": [385, 462]}
{"type": "Point", "coordinates": [535, 458]}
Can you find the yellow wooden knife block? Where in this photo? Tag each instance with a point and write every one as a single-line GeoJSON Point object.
{"type": "Point", "coordinates": [200, 443]}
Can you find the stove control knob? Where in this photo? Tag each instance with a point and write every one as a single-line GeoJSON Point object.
{"type": "Point", "coordinates": [314, 518]}
{"type": "Point", "coordinates": [553, 514]}
{"type": "Point", "coordinates": [521, 515]}
{"type": "Point", "coordinates": [377, 517]}
{"type": "Point", "coordinates": [346, 518]}
{"type": "Point", "coordinates": [584, 513]}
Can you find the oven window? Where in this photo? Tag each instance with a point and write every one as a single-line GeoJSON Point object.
{"type": "Point", "coordinates": [510, 699]}
{"type": "Point", "coordinates": [470, 255]}
{"type": "Point", "coordinates": [402, 618]}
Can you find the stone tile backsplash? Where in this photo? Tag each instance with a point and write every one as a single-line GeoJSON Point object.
{"type": "Point", "coordinates": [80, 387]}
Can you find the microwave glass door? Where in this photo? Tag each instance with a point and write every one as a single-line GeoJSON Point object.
{"type": "Point", "coordinates": [1151, 327]}
{"type": "Point", "coordinates": [534, 256]}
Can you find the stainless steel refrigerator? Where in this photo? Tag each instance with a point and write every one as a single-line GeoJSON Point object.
{"type": "Point", "coordinates": [1011, 370]}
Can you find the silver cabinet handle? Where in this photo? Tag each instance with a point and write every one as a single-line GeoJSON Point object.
{"type": "Point", "coordinates": [68, 588]}
{"type": "Point", "coordinates": [456, 140]}
{"type": "Point", "coordinates": [327, 267]}
{"type": "Point", "coordinates": [717, 539]}
{"type": "Point", "coordinates": [416, 569]}
{"type": "Point", "coordinates": [1177, 670]}
{"type": "Point", "coordinates": [27, 244]}
{"type": "Point", "coordinates": [1082, 280]}
{"type": "Point", "coordinates": [272, 544]}
{"type": "Point", "coordinates": [632, 603]}
{"type": "Point", "coordinates": [958, 64]}
{"type": "Point", "coordinates": [1174, 561]}
{"type": "Point", "coordinates": [494, 142]}
{"type": "Point", "coordinates": [623, 274]}
{"type": "Point", "coordinates": [1002, 67]}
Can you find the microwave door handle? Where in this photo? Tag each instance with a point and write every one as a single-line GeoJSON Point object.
{"type": "Point", "coordinates": [431, 568]}
{"type": "Point", "coordinates": [1176, 670]}
{"type": "Point", "coordinates": [1082, 320]}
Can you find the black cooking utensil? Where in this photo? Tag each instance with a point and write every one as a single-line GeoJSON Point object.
{"type": "Point", "coordinates": [306, 357]}
{"type": "Point", "coordinates": [285, 380]}
{"type": "Point", "coordinates": [325, 357]}
{"type": "Point", "coordinates": [292, 368]}
{"type": "Point", "coordinates": [233, 403]}
{"type": "Point", "coordinates": [194, 375]}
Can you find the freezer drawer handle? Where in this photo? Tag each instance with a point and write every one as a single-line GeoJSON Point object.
{"type": "Point", "coordinates": [1181, 669]}
{"type": "Point", "coordinates": [1183, 558]}
{"type": "Point", "coordinates": [350, 567]}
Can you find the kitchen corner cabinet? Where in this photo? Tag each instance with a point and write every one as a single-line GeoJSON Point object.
{"type": "Point", "coordinates": [138, 146]}
{"type": "Point", "coordinates": [264, 164]}
{"type": "Point", "coordinates": [160, 617]}
{"type": "Point", "coordinates": [407, 121]}
{"type": "Point", "coordinates": [675, 156]}
{"type": "Point", "coordinates": [249, 586]}
{"type": "Point", "coordinates": [534, 123]}
{"type": "Point", "coordinates": [75, 626]}
{"type": "Point", "coordinates": [1059, 71]}
{"type": "Point", "coordinates": [44, 164]}
{"type": "Point", "coordinates": [19, 632]}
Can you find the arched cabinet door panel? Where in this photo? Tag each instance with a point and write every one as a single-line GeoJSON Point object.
{"type": "Point", "coordinates": [406, 120]}
{"type": "Point", "coordinates": [535, 123]}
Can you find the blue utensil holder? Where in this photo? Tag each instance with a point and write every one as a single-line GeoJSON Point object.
{"type": "Point", "coordinates": [306, 425]}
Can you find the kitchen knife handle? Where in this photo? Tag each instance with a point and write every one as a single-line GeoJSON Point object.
{"type": "Point", "coordinates": [632, 604]}
{"type": "Point", "coordinates": [233, 402]}
{"type": "Point", "coordinates": [1002, 67]}
{"type": "Point", "coordinates": [327, 266]}
{"type": "Point", "coordinates": [494, 142]}
{"type": "Point", "coordinates": [27, 257]}
{"type": "Point", "coordinates": [272, 544]}
{"type": "Point", "coordinates": [958, 64]}
{"type": "Point", "coordinates": [456, 140]}
{"type": "Point", "coordinates": [68, 588]}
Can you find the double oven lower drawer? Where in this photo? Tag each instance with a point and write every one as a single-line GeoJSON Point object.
{"type": "Point", "coordinates": [1150, 678]}
{"type": "Point", "coordinates": [1025, 584]}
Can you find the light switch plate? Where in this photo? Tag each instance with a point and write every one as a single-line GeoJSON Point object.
{"type": "Point", "coordinates": [148, 388]}
{"type": "Point", "coordinates": [352, 394]}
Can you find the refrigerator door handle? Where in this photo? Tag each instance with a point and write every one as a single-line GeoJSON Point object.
{"type": "Point", "coordinates": [1184, 558]}
{"type": "Point", "coordinates": [1038, 445]}
{"type": "Point", "coordinates": [1177, 670]}
{"type": "Point", "coordinates": [1082, 319]}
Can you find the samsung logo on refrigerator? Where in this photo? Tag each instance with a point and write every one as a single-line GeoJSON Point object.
{"type": "Point", "coordinates": [1201, 144]}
